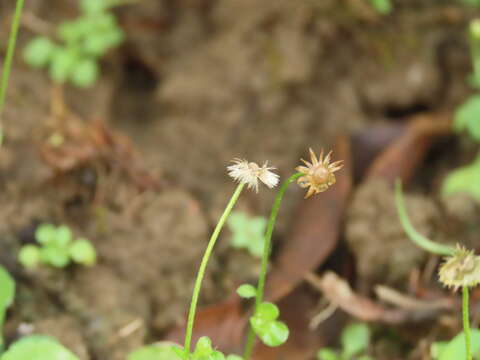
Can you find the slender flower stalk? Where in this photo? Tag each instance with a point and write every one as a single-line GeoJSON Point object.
{"type": "Point", "coordinates": [266, 254]}
{"type": "Point", "coordinates": [417, 238]}
{"type": "Point", "coordinates": [203, 266]}
{"type": "Point", "coordinates": [466, 322]}
{"type": "Point", "coordinates": [7, 65]}
{"type": "Point", "coordinates": [246, 173]}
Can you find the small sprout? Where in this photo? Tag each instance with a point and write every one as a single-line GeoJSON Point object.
{"type": "Point", "coordinates": [265, 325]}
{"type": "Point", "coordinates": [247, 232]}
{"type": "Point", "coordinates": [249, 173]}
{"type": "Point", "coordinates": [204, 350]}
{"type": "Point", "coordinates": [57, 248]}
{"type": "Point", "coordinates": [318, 173]}
{"type": "Point", "coordinates": [355, 340]}
{"type": "Point", "coordinates": [247, 291]}
{"type": "Point", "coordinates": [37, 347]}
{"type": "Point", "coordinates": [461, 269]}
{"type": "Point", "coordinates": [82, 42]}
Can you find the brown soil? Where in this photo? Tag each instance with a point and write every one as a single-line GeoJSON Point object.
{"type": "Point", "coordinates": [197, 83]}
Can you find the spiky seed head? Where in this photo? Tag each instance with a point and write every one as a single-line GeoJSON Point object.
{"type": "Point", "coordinates": [318, 174]}
{"type": "Point", "coordinates": [461, 269]}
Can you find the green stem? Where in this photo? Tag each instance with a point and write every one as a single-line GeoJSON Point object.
{"type": "Point", "coordinates": [203, 266]}
{"type": "Point", "coordinates": [415, 236]}
{"type": "Point", "coordinates": [7, 65]}
{"type": "Point", "coordinates": [466, 323]}
{"type": "Point", "coordinates": [266, 255]}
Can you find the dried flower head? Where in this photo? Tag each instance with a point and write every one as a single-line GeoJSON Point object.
{"type": "Point", "coordinates": [318, 173]}
{"type": "Point", "coordinates": [461, 269]}
{"type": "Point", "coordinates": [249, 173]}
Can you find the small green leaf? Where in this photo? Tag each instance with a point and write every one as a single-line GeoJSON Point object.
{"type": "Point", "coordinates": [38, 52]}
{"type": "Point", "coordinates": [63, 236]}
{"type": "Point", "coordinates": [247, 232]}
{"type": "Point", "coordinates": [83, 252]}
{"type": "Point", "coordinates": [63, 62]}
{"type": "Point", "coordinates": [29, 256]}
{"type": "Point", "coordinates": [267, 311]}
{"type": "Point", "coordinates": [437, 348]}
{"type": "Point", "coordinates": [159, 351]}
{"type": "Point", "coordinates": [73, 31]}
{"type": "Point", "coordinates": [55, 256]}
{"type": "Point", "coordinates": [355, 339]}
{"type": "Point", "coordinates": [327, 354]}
{"type": "Point", "coordinates": [203, 347]}
{"type": "Point", "coordinates": [246, 291]}
{"type": "Point", "coordinates": [465, 179]}
{"type": "Point", "coordinates": [45, 233]}
{"type": "Point", "coordinates": [7, 288]}
{"type": "Point", "coordinates": [272, 333]}
{"type": "Point", "coordinates": [456, 347]}
{"type": "Point", "coordinates": [466, 117]}
{"type": "Point", "coordinates": [85, 73]}
{"type": "Point", "coordinates": [38, 347]}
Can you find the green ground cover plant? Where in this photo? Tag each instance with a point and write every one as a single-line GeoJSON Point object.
{"type": "Point", "coordinates": [355, 340]}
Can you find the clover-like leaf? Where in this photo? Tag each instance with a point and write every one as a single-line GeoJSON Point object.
{"type": "Point", "coordinates": [85, 73]}
{"type": "Point", "coordinates": [158, 351]}
{"type": "Point", "coordinates": [247, 291]}
{"type": "Point", "coordinates": [37, 347]}
{"type": "Point", "coordinates": [83, 252]}
{"type": "Point", "coordinates": [45, 233]}
{"type": "Point", "coordinates": [272, 333]}
{"type": "Point", "coordinates": [29, 256]}
{"type": "Point", "coordinates": [267, 311]}
{"type": "Point", "coordinates": [55, 256]}
{"type": "Point", "coordinates": [355, 339]}
{"type": "Point", "coordinates": [91, 7]}
{"type": "Point", "coordinates": [38, 52]}
{"type": "Point", "coordinates": [63, 61]}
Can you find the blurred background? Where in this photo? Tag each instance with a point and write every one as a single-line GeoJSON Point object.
{"type": "Point", "coordinates": [135, 161]}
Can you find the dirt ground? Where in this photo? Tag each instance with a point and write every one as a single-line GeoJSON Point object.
{"type": "Point", "coordinates": [197, 83]}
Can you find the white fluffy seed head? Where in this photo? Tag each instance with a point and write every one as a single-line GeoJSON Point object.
{"type": "Point", "coordinates": [249, 173]}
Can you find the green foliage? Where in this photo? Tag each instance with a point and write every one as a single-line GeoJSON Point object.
{"type": "Point", "coordinates": [464, 180]}
{"type": "Point", "coordinates": [471, 2]}
{"type": "Point", "coordinates": [38, 347]}
{"type": "Point", "coordinates": [467, 117]}
{"type": "Point", "coordinates": [83, 41]}
{"type": "Point", "coordinates": [266, 326]}
{"type": "Point", "coordinates": [203, 351]}
{"type": "Point", "coordinates": [7, 294]}
{"type": "Point", "coordinates": [382, 6]}
{"type": "Point", "coordinates": [355, 340]}
{"type": "Point", "coordinates": [57, 248]}
{"type": "Point", "coordinates": [455, 348]}
{"type": "Point", "coordinates": [247, 291]}
{"type": "Point", "coordinates": [247, 232]}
